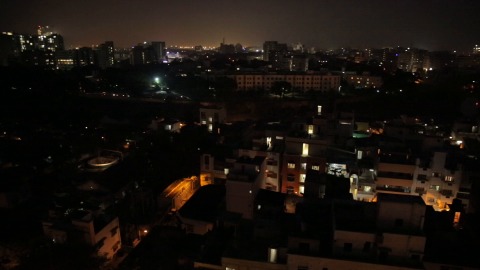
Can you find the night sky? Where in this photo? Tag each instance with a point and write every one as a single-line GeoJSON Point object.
{"type": "Point", "coordinates": [325, 24]}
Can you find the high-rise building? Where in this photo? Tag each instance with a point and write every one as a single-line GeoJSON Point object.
{"type": "Point", "coordinates": [105, 54]}
{"type": "Point", "coordinates": [37, 50]}
{"type": "Point", "coordinates": [7, 47]}
{"type": "Point", "coordinates": [65, 59]}
{"type": "Point", "coordinates": [148, 53]}
{"type": "Point", "coordinates": [84, 56]}
{"type": "Point", "coordinates": [476, 49]}
{"type": "Point", "coordinates": [272, 50]}
{"type": "Point", "coordinates": [160, 50]}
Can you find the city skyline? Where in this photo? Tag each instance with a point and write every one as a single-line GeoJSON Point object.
{"type": "Point", "coordinates": [432, 25]}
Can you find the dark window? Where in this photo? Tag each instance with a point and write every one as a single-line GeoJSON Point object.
{"type": "Point", "coordinates": [383, 255]}
{"type": "Point", "coordinates": [207, 161]}
{"type": "Point", "coordinates": [290, 177]}
{"type": "Point", "coordinates": [271, 174]}
{"type": "Point", "coordinates": [366, 246]}
{"type": "Point", "coordinates": [305, 247]}
{"type": "Point", "coordinates": [398, 222]}
{"type": "Point", "coordinates": [347, 247]}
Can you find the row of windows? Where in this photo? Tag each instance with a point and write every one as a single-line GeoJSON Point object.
{"type": "Point", "coordinates": [446, 178]}
{"type": "Point", "coordinates": [289, 78]}
{"type": "Point", "coordinates": [303, 166]}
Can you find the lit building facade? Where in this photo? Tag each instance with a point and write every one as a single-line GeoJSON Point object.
{"type": "Point", "coordinates": [436, 182]}
{"type": "Point", "coordinates": [364, 81]}
{"type": "Point", "coordinates": [305, 81]}
{"type": "Point", "coordinates": [301, 154]}
{"type": "Point", "coordinates": [212, 115]}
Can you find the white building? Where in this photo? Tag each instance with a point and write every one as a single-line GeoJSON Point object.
{"type": "Point", "coordinates": [100, 231]}
{"type": "Point", "coordinates": [435, 182]}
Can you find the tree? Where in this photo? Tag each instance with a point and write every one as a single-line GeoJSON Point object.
{"type": "Point", "coordinates": [281, 88]}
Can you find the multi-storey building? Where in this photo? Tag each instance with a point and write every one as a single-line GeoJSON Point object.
{"type": "Point", "coordinates": [65, 59]}
{"type": "Point", "coordinates": [94, 229]}
{"type": "Point", "coordinates": [84, 56]}
{"type": "Point", "coordinates": [364, 81]}
{"type": "Point", "coordinates": [105, 54]}
{"type": "Point", "coordinates": [273, 51]}
{"type": "Point", "coordinates": [437, 180]}
{"type": "Point", "coordinates": [160, 50]}
{"type": "Point", "coordinates": [32, 50]}
{"type": "Point", "coordinates": [301, 154]}
{"type": "Point", "coordinates": [148, 53]}
{"type": "Point", "coordinates": [411, 59]}
{"type": "Point", "coordinates": [244, 180]}
{"type": "Point", "coordinates": [395, 170]}
{"type": "Point", "coordinates": [212, 115]}
{"type": "Point", "coordinates": [299, 81]}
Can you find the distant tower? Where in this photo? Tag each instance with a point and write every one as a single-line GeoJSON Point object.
{"type": "Point", "coordinates": [106, 54]}
{"type": "Point", "coordinates": [476, 49]}
{"type": "Point", "coordinates": [159, 49]}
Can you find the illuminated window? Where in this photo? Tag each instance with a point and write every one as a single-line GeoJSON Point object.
{"type": "Point", "coordinates": [272, 255]}
{"type": "Point", "coordinates": [449, 178]}
{"type": "Point", "coordinates": [305, 149]}
{"type": "Point", "coordinates": [435, 187]}
{"type": "Point", "coordinates": [456, 218]}
{"type": "Point", "coordinates": [291, 165]}
{"type": "Point", "coordinates": [303, 166]}
{"type": "Point", "coordinates": [302, 178]}
{"type": "Point", "coordinates": [310, 129]}
{"type": "Point", "coordinates": [301, 189]}
{"type": "Point", "coordinates": [316, 167]}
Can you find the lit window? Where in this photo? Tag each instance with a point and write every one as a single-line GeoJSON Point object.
{"type": "Point", "coordinates": [316, 167]}
{"type": "Point", "coordinates": [303, 166]}
{"type": "Point", "coordinates": [301, 189]}
{"type": "Point", "coordinates": [310, 129]}
{"type": "Point", "coordinates": [449, 178]}
{"type": "Point", "coordinates": [291, 165]}
{"type": "Point", "coordinates": [302, 178]}
{"type": "Point", "coordinates": [305, 149]}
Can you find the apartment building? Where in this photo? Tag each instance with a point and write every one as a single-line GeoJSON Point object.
{"type": "Point", "coordinates": [298, 81]}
